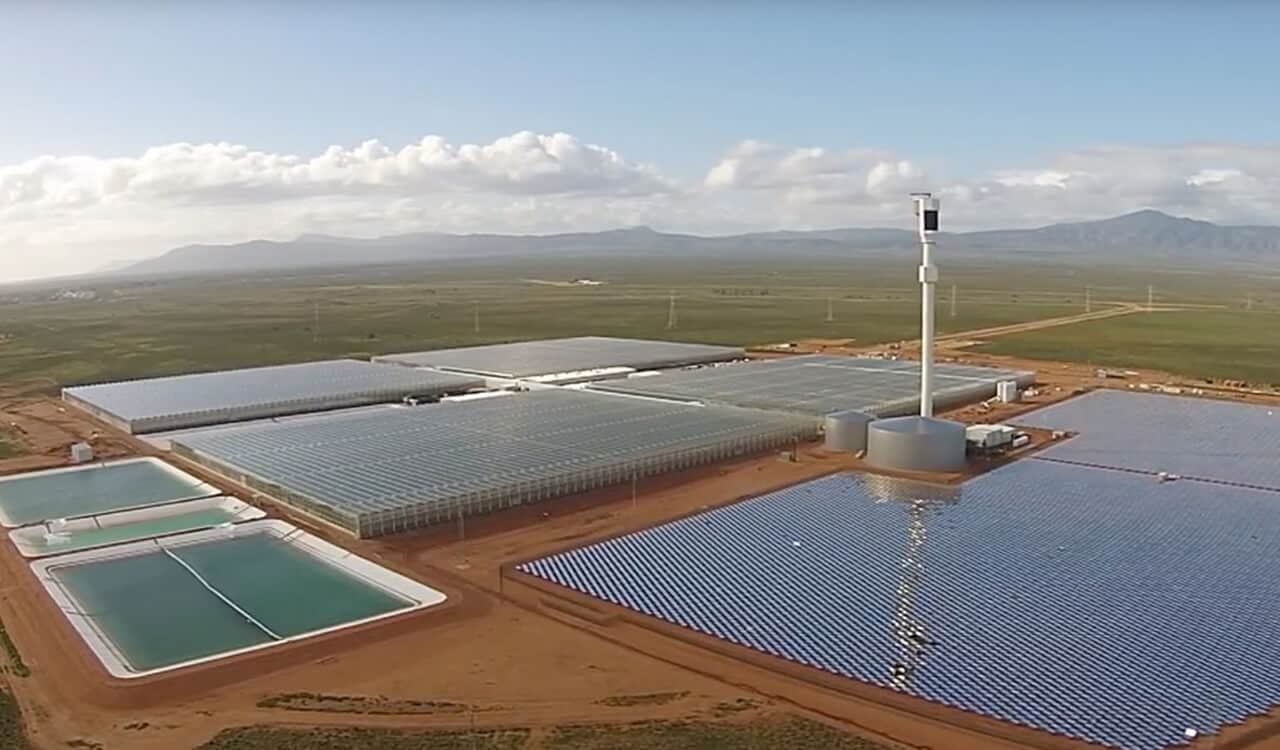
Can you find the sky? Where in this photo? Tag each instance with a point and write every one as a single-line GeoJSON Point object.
{"type": "Point", "coordinates": [132, 127]}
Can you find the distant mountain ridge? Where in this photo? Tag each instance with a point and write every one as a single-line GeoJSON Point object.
{"type": "Point", "coordinates": [1145, 234]}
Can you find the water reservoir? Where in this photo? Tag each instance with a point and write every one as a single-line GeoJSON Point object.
{"type": "Point", "coordinates": [163, 604]}
{"type": "Point", "coordinates": [94, 489]}
{"type": "Point", "coordinates": [61, 537]}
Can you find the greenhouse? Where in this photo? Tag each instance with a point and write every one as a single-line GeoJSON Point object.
{"type": "Point", "coordinates": [157, 404]}
{"type": "Point", "coordinates": [818, 385]}
{"type": "Point", "coordinates": [525, 359]}
{"type": "Point", "coordinates": [388, 469]}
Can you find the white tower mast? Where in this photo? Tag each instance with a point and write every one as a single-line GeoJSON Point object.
{"type": "Point", "coordinates": [927, 221]}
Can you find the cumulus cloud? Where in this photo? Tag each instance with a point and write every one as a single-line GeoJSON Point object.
{"type": "Point", "coordinates": [62, 214]}
{"type": "Point", "coordinates": [1226, 183]}
{"type": "Point", "coordinates": [821, 187]}
{"type": "Point", "coordinates": [524, 163]}
{"type": "Point", "coordinates": [813, 174]}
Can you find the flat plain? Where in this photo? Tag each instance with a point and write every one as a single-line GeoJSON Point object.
{"type": "Point", "coordinates": [153, 327]}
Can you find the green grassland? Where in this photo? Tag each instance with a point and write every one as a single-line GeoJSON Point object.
{"type": "Point", "coordinates": [761, 734]}
{"type": "Point", "coordinates": [138, 329]}
{"type": "Point", "coordinates": [1210, 343]}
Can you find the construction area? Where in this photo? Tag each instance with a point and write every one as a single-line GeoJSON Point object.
{"type": "Point", "coordinates": [656, 531]}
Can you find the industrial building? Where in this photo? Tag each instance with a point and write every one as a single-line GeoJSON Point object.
{"type": "Point", "coordinates": [817, 385]}
{"type": "Point", "coordinates": [387, 469]}
{"type": "Point", "coordinates": [540, 359]}
{"type": "Point", "coordinates": [183, 401]}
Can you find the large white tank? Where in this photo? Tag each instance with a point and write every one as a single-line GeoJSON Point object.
{"type": "Point", "coordinates": [846, 431]}
{"type": "Point", "coordinates": [916, 444]}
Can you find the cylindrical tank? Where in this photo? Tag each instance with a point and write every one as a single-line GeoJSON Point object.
{"type": "Point", "coordinates": [916, 444]}
{"type": "Point", "coordinates": [846, 430]}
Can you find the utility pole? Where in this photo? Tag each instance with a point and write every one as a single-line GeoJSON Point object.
{"type": "Point", "coordinates": [475, 328]}
{"type": "Point", "coordinates": [1248, 302]}
{"type": "Point", "coordinates": [953, 300]}
{"type": "Point", "coordinates": [831, 314]}
{"type": "Point", "coordinates": [1088, 303]}
{"type": "Point", "coordinates": [315, 326]}
{"type": "Point", "coordinates": [671, 312]}
{"type": "Point", "coordinates": [1150, 296]}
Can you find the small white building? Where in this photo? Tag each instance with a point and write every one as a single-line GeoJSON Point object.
{"type": "Point", "coordinates": [1007, 391]}
{"type": "Point", "coordinates": [81, 453]}
{"type": "Point", "coordinates": [987, 437]}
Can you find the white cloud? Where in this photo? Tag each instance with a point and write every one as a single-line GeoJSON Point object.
{"type": "Point", "coordinates": [65, 213]}
{"type": "Point", "coordinates": [812, 174]}
{"type": "Point", "coordinates": [523, 163]}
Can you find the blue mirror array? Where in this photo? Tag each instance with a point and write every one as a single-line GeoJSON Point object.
{"type": "Point", "coordinates": [1090, 603]}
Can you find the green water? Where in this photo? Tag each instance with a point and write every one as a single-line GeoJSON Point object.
{"type": "Point", "coordinates": [286, 589]}
{"type": "Point", "coordinates": [158, 614]}
{"type": "Point", "coordinates": [155, 612]}
{"type": "Point", "coordinates": [89, 492]}
{"type": "Point", "coordinates": [128, 532]}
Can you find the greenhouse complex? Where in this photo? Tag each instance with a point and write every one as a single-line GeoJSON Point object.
{"type": "Point", "coordinates": [157, 404]}
{"type": "Point", "coordinates": [818, 385]}
{"type": "Point", "coordinates": [523, 359]}
{"type": "Point", "coordinates": [382, 470]}
{"type": "Point", "coordinates": [418, 439]}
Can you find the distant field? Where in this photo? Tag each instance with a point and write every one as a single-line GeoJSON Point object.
{"type": "Point", "coordinates": [1210, 344]}
{"type": "Point", "coordinates": [157, 328]}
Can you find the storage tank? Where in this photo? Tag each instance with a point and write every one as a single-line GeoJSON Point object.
{"type": "Point", "coordinates": [916, 444]}
{"type": "Point", "coordinates": [1007, 391]}
{"type": "Point", "coordinates": [846, 430]}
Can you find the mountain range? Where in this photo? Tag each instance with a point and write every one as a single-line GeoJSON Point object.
{"type": "Point", "coordinates": [1138, 236]}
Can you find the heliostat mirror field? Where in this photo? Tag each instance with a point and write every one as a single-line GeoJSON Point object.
{"type": "Point", "coordinates": [1091, 603]}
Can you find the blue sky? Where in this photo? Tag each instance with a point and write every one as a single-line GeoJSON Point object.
{"type": "Point", "coordinates": [709, 116]}
{"type": "Point", "coordinates": [977, 84]}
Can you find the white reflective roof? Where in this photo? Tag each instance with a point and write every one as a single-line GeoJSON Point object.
{"type": "Point", "coordinates": [528, 358]}
{"type": "Point", "coordinates": [821, 384]}
{"type": "Point", "coordinates": [263, 391]}
{"type": "Point", "coordinates": [437, 458]}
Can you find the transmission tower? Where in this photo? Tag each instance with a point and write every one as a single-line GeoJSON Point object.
{"type": "Point", "coordinates": [671, 312]}
{"type": "Point", "coordinates": [953, 300]}
{"type": "Point", "coordinates": [475, 326]}
{"type": "Point", "coordinates": [1088, 303]}
{"type": "Point", "coordinates": [831, 313]}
